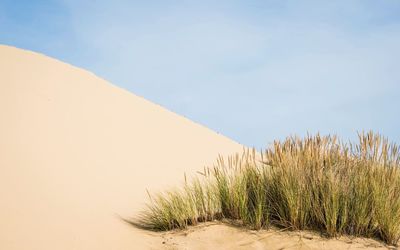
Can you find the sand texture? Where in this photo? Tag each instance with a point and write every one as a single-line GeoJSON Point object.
{"type": "Point", "coordinates": [221, 236]}
{"type": "Point", "coordinates": [77, 154]}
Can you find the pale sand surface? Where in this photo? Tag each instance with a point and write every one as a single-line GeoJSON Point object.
{"type": "Point", "coordinates": [220, 236]}
{"type": "Point", "coordinates": [77, 153]}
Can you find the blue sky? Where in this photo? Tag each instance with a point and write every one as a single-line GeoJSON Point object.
{"type": "Point", "coordinates": [254, 71]}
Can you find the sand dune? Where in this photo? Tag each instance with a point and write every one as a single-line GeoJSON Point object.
{"type": "Point", "coordinates": [77, 154]}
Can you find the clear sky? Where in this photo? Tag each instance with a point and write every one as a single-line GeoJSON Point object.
{"type": "Point", "coordinates": [254, 71]}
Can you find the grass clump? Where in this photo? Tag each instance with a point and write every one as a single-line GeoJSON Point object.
{"type": "Point", "coordinates": [315, 183]}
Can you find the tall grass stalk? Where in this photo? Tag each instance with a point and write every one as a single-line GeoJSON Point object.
{"type": "Point", "coordinates": [316, 183]}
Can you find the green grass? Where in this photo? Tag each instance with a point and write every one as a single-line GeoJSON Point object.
{"type": "Point", "coordinates": [315, 183]}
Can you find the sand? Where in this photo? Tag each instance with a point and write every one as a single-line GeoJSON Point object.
{"type": "Point", "coordinates": [77, 154]}
{"type": "Point", "coordinates": [220, 236]}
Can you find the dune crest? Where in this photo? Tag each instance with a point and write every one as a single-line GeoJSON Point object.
{"type": "Point", "coordinates": [77, 152]}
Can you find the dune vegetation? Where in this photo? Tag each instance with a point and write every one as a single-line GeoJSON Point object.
{"type": "Point", "coordinates": [314, 183]}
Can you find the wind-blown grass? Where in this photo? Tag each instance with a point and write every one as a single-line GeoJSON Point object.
{"type": "Point", "coordinates": [315, 183]}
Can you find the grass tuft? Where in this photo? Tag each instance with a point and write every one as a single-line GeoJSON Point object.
{"type": "Point", "coordinates": [315, 183]}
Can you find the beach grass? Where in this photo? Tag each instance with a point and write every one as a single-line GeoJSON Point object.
{"type": "Point", "coordinates": [314, 183]}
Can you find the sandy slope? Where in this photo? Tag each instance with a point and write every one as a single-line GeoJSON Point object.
{"type": "Point", "coordinates": [76, 153]}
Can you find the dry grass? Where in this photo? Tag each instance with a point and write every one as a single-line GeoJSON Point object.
{"type": "Point", "coordinates": [316, 183]}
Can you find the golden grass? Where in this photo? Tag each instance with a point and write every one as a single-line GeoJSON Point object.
{"type": "Point", "coordinates": [315, 183]}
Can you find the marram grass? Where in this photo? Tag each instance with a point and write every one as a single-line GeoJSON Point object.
{"type": "Point", "coordinates": [314, 183]}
